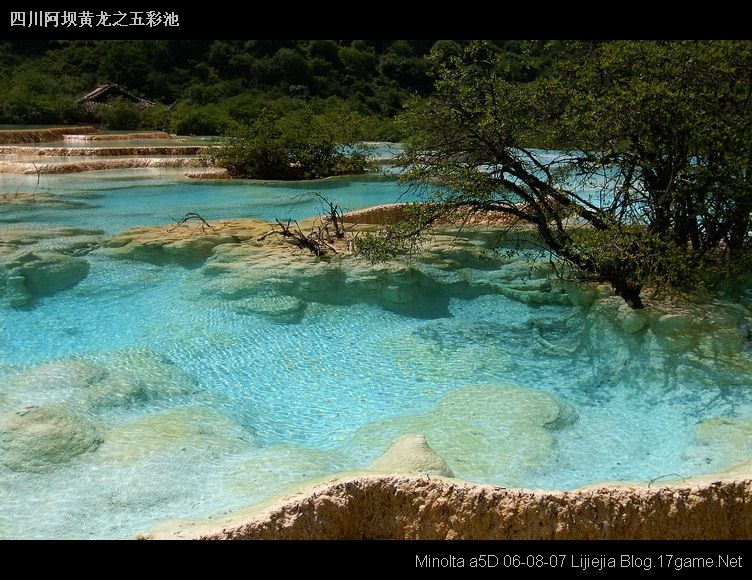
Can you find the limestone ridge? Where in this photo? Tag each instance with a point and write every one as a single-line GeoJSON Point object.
{"type": "Point", "coordinates": [240, 266]}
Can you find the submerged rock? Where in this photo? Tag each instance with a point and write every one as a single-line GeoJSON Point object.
{"type": "Point", "coordinates": [28, 201]}
{"type": "Point", "coordinates": [668, 344]}
{"type": "Point", "coordinates": [267, 276]}
{"type": "Point", "coordinates": [42, 261]}
{"type": "Point", "coordinates": [421, 289]}
{"type": "Point", "coordinates": [57, 381]}
{"type": "Point", "coordinates": [37, 438]}
{"type": "Point", "coordinates": [677, 332]}
{"type": "Point", "coordinates": [184, 429]}
{"type": "Point", "coordinates": [710, 329]}
{"type": "Point", "coordinates": [240, 262]}
{"type": "Point", "coordinates": [53, 238]}
{"type": "Point", "coordinates": [279, 308]}
{"type": "Point", "coordinates": [613, 311]}
{"type": "Point", "coordinates": [122, 378]}
{"type": "Point", "coordinates": [632, 320]}
{"type": "Point", "coordinates": [676, 324]}
{"type": "Point", "coordinates": [46, 273]}
{"type": "Point", "coordinates": [137, 376]}
{"type": "Point", "coordinates": [270, 470]}
{"type": "Point", "coordinates": [734, 432]}
{"type": "Point", "coordinates": [724, 443]}
{"type": "Point", "coordinates": [410, 454]}
{"type": "Point", "coordinates": [477, 427]}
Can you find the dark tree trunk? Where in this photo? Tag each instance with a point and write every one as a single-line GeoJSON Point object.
{"type": "Point", "coordinates": [629, 292]}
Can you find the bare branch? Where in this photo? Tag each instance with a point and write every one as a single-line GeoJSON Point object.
{"type": "Point", "coordinates": [193, 216]}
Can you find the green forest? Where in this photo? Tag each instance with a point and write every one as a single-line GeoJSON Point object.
{"type": "Point", "coordinates": [206, 87]}
{"type": "Point", "coordinates": [658, 131]}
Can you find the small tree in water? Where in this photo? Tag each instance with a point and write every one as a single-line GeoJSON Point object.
{"type": "Point", "coordinates": [653, 183]}
{"type": "Point", "coordinates": [298, 145]}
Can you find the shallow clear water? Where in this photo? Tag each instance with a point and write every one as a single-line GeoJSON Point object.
{"type": "Point", "coordinates": [248, 406]}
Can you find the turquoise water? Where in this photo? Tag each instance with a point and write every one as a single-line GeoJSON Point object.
{"type": "Point", "coordinates": [118, 200]}
{"type": "Point", "coordinates": [201, 408]}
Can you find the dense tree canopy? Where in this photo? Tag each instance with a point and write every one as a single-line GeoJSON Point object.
{"type": "Point", "coordinates": [652, 182]}
{"type": "Point", "coordinates": [218, 85]}
{"type": "Point", "coordinates": [650, 185]}
{"type": "Point", "coordinates": [298, 145]}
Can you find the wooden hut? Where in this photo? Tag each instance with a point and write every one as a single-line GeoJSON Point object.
{"type": "Point", "coordinates": [103, 93]}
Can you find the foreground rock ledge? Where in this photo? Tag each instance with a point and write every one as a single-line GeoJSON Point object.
{"type": "Point", "coordinates": [394, 507]}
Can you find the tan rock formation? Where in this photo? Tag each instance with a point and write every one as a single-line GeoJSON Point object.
{"type": "Point", "coordinates": [398, 507]}
{"type": "Point", "coordinates": [392, 212]}
{"type": "Point", "coordinates": [416, 500]}
{"type": "Point", "coordinates": [211, 173]}
{"type": "Point", "coordinates": [376, 215]}
{"type": "Point", "coordinates": [410, 454]}
{"type": "Point", "coordinates": [93, 136]}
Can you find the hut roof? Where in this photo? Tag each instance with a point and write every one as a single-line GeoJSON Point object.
{"type": "Point", "coordinates": [99, 96]}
